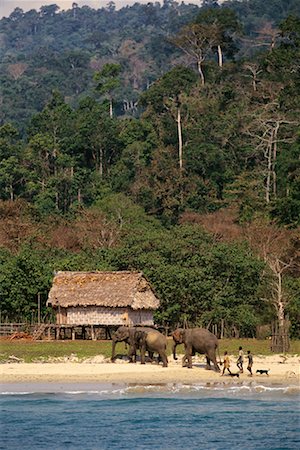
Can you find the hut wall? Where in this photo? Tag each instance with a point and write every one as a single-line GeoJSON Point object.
{"type": "Point", "coordinates": [96, 315]}
{"type": "Point", "coordinates": [140, 316]}
{"type": "Point", "coordinates": [61, 315]}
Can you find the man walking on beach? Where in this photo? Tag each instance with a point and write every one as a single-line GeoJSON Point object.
{"type": "Point", "coordinates": [240, 360]}
{"type": "Point", "coordinates": [250, 363]}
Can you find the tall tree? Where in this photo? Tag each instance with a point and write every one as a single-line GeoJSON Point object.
{"type": "Point", "coordinates": [107, 81]}
{"type": "Point", "coordinates": [197, 40]}
{"type": "Point", "coordinates": [280, 250]}
{"type": "Point", "coordinates": [166, 95]}
{"type": "Point", "coordinates": [228, 25]}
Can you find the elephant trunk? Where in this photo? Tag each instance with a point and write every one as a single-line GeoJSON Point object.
{"type": "Point", "coordinates": [114, 341]}
{"type": "Point", "coordinates": [174, 350]}
{"type": "Point", "coordinates": [218, 352]}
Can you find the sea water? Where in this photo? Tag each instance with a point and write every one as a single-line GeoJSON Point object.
{"type": "Point", "coordinates": [94, 416]}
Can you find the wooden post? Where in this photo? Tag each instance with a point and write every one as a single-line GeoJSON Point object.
{"type": "Point", "coordinates": [92, 333]}
{"type": "Point", "coordinates": [73, 334]}
{"type": "Point", "coordinates": [57, 332]}
{"type": "Point", "coordinates": [222, 329]}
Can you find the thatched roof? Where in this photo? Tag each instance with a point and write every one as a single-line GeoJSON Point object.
{"type": "Point", "coordinates": [111, 289]}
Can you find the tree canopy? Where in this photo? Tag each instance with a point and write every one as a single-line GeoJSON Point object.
{"type": "Point", "coordinates": [116, 154]}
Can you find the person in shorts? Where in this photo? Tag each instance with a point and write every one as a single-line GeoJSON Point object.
{"type": "Point", "coordinates": [240, 360]}
{"type": "Point", "coordinates": [226, 363]}
{"type": "Point", "coordinates": [250, 363]}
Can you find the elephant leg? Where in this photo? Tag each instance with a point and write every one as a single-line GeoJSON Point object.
{"type": "Point", "coordinates": [188, 357]}
{"type": "Point", "coordinates": [208, 366]}
{"type": "Point", "coordinates": [150, 354]}
{"type": "Point", "coordinates": [141, 343]}
{"type": "Point", "coordinates": [212, 357]}
{"type": "Point", "coordinates": [143, 351]}
{"type": "Point", "coordinates": [132, 355]}
{"type": "Point", "coordinates": [113, 351]}
{"type": "Point", "coordinates": [163, 358]}
{"type": "Point", "coordinates": [184, 359]}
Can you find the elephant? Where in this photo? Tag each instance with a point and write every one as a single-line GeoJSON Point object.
{"type": "Point", "coordinates": [141, 338]}
{"type": "Point", "coordinates": [153, 342]}
{"type": "Point", "coordinates": [197, 340]}
{"type": "Point", "coordinates": [126, 334]}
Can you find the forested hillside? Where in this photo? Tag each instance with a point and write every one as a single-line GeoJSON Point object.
{"type": "Point", "coordinates": [162, 138]}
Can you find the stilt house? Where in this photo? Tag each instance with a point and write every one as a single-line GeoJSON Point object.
{"type": "Point", "coordinates": [102, 298]}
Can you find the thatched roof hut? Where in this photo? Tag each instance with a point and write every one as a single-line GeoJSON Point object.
{"type": "Point", "coordinates": [102, 298]}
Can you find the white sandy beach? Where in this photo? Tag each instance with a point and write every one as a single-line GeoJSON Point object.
{"type": "Point", "coordinates": [100, 370]}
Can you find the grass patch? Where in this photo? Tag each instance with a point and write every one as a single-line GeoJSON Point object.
{"type": "Point", "coordinates": [31, 351]}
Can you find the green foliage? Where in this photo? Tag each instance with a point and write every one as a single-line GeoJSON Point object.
{"type": "Point", "coordinates": [23, 276]}
{"type": "Point", "coordinates": [171, 85]}
{"type": "Point", "coordinates": [78, 169]}
{"type": "Point", "coordinates": [107, 79]}
{"type": "Point", "coordinates": [196, 279]}
{"type": "Point", "coordinates": [227, 23]}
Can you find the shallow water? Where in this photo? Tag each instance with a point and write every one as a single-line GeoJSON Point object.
{"type": "Point", "coordinates": [93, 416]}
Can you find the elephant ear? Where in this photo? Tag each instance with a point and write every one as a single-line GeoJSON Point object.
{"type": "Point", "coordinates": [140, 336]}
{"type": "Point", "coordinates": [137, 335]}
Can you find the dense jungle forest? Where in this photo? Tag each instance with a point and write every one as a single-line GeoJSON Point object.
{"type": "Point", "coordinates": [163, 138]}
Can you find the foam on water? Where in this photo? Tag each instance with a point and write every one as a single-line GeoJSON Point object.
{"type": "Point", "coordinates": [112, 390]}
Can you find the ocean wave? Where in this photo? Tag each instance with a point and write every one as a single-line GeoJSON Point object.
{"type": "Point", "coordinates": [172, 389]}
{"type": "Point", "coordinates": [17, 393]}
{"type": "Point", "coordinates": [215, 387]}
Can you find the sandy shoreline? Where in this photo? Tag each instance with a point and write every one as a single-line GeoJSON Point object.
{"type": "Point", "coordinates": [287, 373]}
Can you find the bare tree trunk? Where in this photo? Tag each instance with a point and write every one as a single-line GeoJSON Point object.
{"type": "Point", "coordinates": [201, 72]}
{"type": "Point", "coordinates": [101, 162]}
{"type": "Point", "coordinates": [279, 301]}
{"type": "Point", "coordinates": [275, 133]}
{"type": "Point", "coordinates": [110, 108]}
{"type": "Point", "coordinates": [220, 56]}
{"type": "Point", "coordinates": [274, 170]}
{"type": "Point", "coordinates": [269, 171]}
{"type": "Point", "coordinates": [280, 341]}
{"type": "Point", "coordinates": [179, 138]}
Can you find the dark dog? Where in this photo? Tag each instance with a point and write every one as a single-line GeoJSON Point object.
{"type": "Point", "coordinates": [262, 371]}
{"type": "Point", "coordinates": [235, 375]}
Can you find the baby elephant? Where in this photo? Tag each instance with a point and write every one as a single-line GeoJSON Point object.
{"type": "Point", "coordinates": [141, 338]}
{"type": "Point", "coordinates": [151, 341]}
